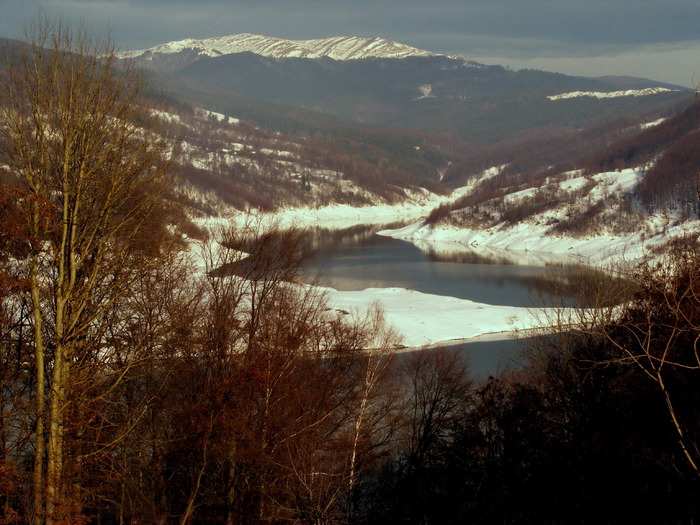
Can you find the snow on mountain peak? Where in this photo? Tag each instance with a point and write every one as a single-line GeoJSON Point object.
{"type": "Point", "coordinates": [337, 48]}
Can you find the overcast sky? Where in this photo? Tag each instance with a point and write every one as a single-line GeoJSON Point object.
{"type": "Point", "coordinates": [657, 39]}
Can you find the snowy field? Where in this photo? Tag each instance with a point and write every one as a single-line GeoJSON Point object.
{"type": "Point", "coordinates": [427, 320]}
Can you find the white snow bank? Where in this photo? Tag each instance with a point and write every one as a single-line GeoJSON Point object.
{"type": "Point", "coordinates": [336, 216]}
{"type": "Point", "coordinates": [424, 319]}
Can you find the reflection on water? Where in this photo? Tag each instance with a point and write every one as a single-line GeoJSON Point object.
{"type": "Point", "coordinates": [468, 255]}
{"type": "Point", "coordinates": [490, 358]}
{"type": "Point", "coordinates": [324, 241]}
{"type": "Point", "coordinates": [356, 259]}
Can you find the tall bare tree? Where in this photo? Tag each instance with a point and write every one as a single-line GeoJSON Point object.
{"type": "Point", "coordinates": [72, 136]}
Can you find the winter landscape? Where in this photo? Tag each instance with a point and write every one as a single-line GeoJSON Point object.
{"type": "Point", "coordinates": [348, 279]}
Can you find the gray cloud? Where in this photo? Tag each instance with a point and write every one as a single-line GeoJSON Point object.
{"type": "Point", "coordinates": [514, 30]}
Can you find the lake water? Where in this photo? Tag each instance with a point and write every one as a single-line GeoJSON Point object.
{"type": "Point", "coordinates": [357, 258]}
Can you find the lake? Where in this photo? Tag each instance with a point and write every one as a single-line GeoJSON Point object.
{"type": "Point", "coordinates": [357, 258]}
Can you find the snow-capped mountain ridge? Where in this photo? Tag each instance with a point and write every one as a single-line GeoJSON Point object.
{"type": "Point", "coordinates": [337, 48]}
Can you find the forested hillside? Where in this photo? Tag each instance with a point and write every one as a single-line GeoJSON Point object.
{"type": "Point", "coordinates": [226, 164]}
{"type": "Point", "coordinates": [435, 94]}
{"type": "Point", "coordinates": [612, 180]}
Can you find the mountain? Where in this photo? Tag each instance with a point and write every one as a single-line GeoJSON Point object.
{"type": "Point", "coordinates": [362, 129]}
{"type": "Point", "coordinates": [250, 131]}
{"type": "Point", "coordinates": [268, 152]}
{"type": "Point", "coordinates": [337, 48]}
{"type": "Point", "coordinates": [225, 163]}
{"type": "Point", "coordinates": [387, 84]}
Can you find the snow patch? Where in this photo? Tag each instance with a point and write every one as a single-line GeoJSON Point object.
{"type": "Point", "coordinates": [611, 94]}
{"type": "Point", "coordinates": [220, 117]}
{"type": "Point", "coordinates": [652, 124]}
{"type": "Point", "coordinates": [426, 92]}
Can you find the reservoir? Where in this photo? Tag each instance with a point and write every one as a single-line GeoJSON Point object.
{"type": "Point", "coordinates": [357, 258]}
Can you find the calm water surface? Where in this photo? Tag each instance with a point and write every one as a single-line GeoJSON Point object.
{"type": "Point", "coordinates": [357, 259]}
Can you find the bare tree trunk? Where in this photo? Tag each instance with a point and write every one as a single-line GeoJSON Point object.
{"type": "Point", "coordinates": [38, 477]}
{"type": "Point", "coordinates": [231, 493]}
{"type": "Point", "coordinates": [682, 439]}
{"type": "Point", "coordinates": [194, 493]}
{"type": "Point", "coordinates": [54, 465]}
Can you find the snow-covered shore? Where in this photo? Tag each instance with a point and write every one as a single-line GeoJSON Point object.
{"type": "Point", "coordinates": [426, 320]}
{"type": "Point", "coordinates": [340, 216]}
{"type": "Point", "coordinates": [529, 240]}
{"type": "Point", "coordinates": [420, 319]}
{"type": "Point", "coordinates": [534, 234]}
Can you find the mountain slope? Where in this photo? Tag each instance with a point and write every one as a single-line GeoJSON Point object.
{"type": "Point", "coordinates": [495, 104]}
{"type": "Point", "coordinates": [639, 190]}
{"type": "Point", "coordinates": [224, 164]}
{"type": "Point", "coordinates": [382, 83]}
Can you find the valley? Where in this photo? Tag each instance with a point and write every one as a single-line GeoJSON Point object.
{"type": "Point", "coordinates": [250, 279]}
{"type": "Point", "coordinates": [550, 198]}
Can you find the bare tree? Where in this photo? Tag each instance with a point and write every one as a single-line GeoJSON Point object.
{"type": "Point", "coordinates": [438, 390]}
{"type": "Point", "coordinates": [436, 396]}
{"type": "Point", "coordinates": [653, 324]}
{"type": "Point", "coordinates": [73, 138]}
{"type": "Point", "coordinates": [659, 332]}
